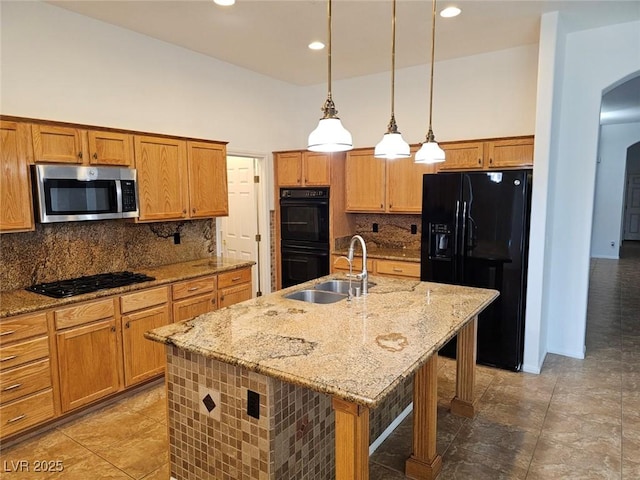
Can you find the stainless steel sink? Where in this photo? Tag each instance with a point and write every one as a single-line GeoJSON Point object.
{"type": "Point", "coordinates": [341, 286]}
{"type": "Point", "coordinates": [316, 296]}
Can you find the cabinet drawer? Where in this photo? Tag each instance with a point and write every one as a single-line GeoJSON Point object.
{"type": "Point", "coordinates": [339, 263]}
{"type": "Point", "coordinates": [194, 287]}
{"type": "Point", "coordinates": [26, 412]}
{"type": "Point", "coordinates": [22, 327]}
{"type": "Point", "coordinates": [234, 278]}
{"type": "Point", "coordinates": [401, 269]}
{"type": "Point", "coordinates": [23, 352]}
{"type": "Point", "coordinates": [88, 312]}
{"type": "Point", "coordinates": [21, 381]}
{"type": "Point", "coordinates": [144, 299]}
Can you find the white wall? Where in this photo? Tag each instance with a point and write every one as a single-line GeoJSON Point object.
{"type": "Point", "coordinates": [59, 65]}
{"type": "Point", "coordinates": [608, 211]}
{"type": "Point", "coordinates": [550, 78]}
{"type": "Point", "coordinates": [488, 95]}
{"type": "Point", "coordinates": [594, 60]}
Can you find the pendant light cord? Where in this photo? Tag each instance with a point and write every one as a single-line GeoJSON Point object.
{"type": "Point", "coordinates": [430, 136]}
{"type": "Point", "coordinates": [329, 46]}
{"type": "Point", "coordinates": [393, 61]}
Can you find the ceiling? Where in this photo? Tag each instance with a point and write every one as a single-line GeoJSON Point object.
{"type": "Point", "coordinates": [270, 37]}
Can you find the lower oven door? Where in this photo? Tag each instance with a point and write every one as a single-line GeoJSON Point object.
{"type": "Point", "coordinates": [303, 263]}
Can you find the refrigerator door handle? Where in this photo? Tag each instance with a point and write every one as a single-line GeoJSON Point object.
{"type": "Point", "coordinates": [455, 229]}
{"type": "Point", "coordinates": [463, 237]}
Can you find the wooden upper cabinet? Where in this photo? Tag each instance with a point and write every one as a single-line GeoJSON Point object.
{"type": "Point", "coordinates": [16, 208]}
{"type": "Point", "coordinates": [56, 144]}
{"type": "Point", "coordinates": [364, 182]}
{"type": "Point", "coordinates": [404, 185]}
{"type": "Point", "coordinates": [110, 148]}
{"type": "Point", "coordinates": [516, 152]}
{"type": "Point", "coordinates": [161, 164]}
{"type": "Point", "coordinates": [316, 168]}
{"type": "Point", "coordinates": [289, 169]}
{"type": "Point", "coordinates": [207, 164]}
{"type": "Point", "coordinates": [299, 169]}
{"type": "Point", "coordinates": [462, 156]}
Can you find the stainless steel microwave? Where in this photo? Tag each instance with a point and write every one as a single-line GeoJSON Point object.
{"type": "Point", "coordinates": [66, 193]}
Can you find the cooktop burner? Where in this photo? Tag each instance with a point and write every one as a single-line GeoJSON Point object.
{"type": "Point", "coordinates": [92, 283]}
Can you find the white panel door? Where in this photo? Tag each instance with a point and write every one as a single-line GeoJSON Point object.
{"type": "Point", "coordinates": [632, 211]}
{"type": "Point", "coordinates": [238, 231]}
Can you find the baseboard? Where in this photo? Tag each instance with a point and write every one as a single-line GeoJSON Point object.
{"type": "Point", "coordinates": [607, 257]}
{"type": "Point", "coordinates": [566, 353]}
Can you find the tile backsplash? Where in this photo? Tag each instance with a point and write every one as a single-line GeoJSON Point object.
{"type": "Point", "coordinates": [394, 231]}
{"type": "Point", "coordinates": [65, 250]}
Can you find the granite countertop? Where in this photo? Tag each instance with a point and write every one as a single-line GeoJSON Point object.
{"type": "Point", "coordinates": [358, 350]}
{"type": "Point", "coordinates": [402, 254]}
{"type": "Point", "coordinates": [22, 301]}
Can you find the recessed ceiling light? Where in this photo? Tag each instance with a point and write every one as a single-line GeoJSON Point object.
{"type": "Point", "coordinates": [316, 45]}
{"type": "Point", "coordinates": [450, 12]}
{"type": "Point", "coordinates": [224, 3]}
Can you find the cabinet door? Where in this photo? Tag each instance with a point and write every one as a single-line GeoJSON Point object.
{"type": "Point", "coordinates": [462, 156]}
{"type": "Point", "coordinates": [289, 169]}
{"type": "Point", "coordinates": [143, 358]}
{"type": "Point", "coordinates": [404, 185]}
{"type": "Point", "coordinates": [56, 144]}
{"type": "Point", "coordinates": [110, 148]}
{"type": "Point", "coordinates": [207, 180]}
{"type": "Point", "coordinates": [231, 295]}
{"type": "Point", "coordinates": [365, 182]}
{"type": "Point", "coordinates": [192, 307]}
{"type": "Point", "coordinates": [517, 152]}
{"type": "Point", "coordinates": [162, 178]}
{"type": "Point", "coordinates": [316, 168]}
{"type": "Point", "coordinates": [87, 363]}
{"type": "Point", "coordinates": [16, 214]}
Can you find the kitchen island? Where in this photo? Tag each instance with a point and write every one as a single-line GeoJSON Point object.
{"type": "Point", "coordinates": [259, 389]}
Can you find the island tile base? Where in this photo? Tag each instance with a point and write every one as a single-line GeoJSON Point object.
{"type": "Point", "coordinates": [212, 435]}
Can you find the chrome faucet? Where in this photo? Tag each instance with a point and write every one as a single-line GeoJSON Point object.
{"type": "Point", "coordinates": [362, 276]}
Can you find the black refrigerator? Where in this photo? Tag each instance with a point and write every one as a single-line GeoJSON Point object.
{"type": "Point", "coordinates": [475, 232]}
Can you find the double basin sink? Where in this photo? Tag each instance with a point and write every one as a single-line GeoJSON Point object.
{"type": "Point", "coordinates": [330, 291]}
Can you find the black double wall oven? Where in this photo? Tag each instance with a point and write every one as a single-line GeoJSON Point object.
{"type": "Point", "coordinates": [304, 233]}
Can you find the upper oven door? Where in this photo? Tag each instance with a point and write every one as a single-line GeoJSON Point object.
{"type": "Point", "coordinates": [304, 220]}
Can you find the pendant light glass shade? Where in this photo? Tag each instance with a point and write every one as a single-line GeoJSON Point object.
{"type": "Point", "coordinates": [430, 151]}
{"type": "Point", "coordinates": [329, 135]}
{"type": "Point", "coordinates": [392, 145]}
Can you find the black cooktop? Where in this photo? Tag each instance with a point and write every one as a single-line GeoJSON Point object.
{"type": "Point", "coordinates": [92, 283]}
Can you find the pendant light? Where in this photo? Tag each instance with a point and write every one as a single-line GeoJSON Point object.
{"type": "Point", "coordinates": [329, 135]}
{"type": "Point", "coordinates": [392, 144]}
{"type": "Point", "coordinates": [430, 152]}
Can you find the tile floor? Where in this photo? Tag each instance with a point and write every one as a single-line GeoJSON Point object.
{"type": "Point", "coordinates": [578, 419]}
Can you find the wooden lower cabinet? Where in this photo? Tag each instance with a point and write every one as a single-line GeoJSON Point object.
{"type": "Point", "coordinates": [231, 295]}
{"type": "Point", "coordinates": [143, 358]}
{"type": "Point", "coordinates": [26, 412]}
{"type": "Point", "coordinates": [193, 306]}
{"type": "Point", "coordinates": [88, 363]}
{"type": "Point", "coordinates": [376, 266]}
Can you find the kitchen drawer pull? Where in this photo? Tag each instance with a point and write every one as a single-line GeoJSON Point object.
{"type": "Point", "coordinates": [6, 359]}
{"type": "Point", "coordinates": [95, 156]}
{"type": "Point", "coordinates": [193, 289]}
{"type": "Point", "coordinates": [8, 332]}
{"type": "Point", "coordinates": [16, 419]}
{"type": "Point", "coordinates": [235, 279]}
{"type": "Point", "coordinates": [12, 387]}
{"type": "Point", "coordinates": [396, 269]}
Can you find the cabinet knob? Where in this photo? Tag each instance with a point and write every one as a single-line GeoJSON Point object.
{"type": "Point", "coordinates": [193, 210]}
{"type": "Point", "coordinates": [491, 160]}
{"type": "Point", "coordinates": [95, 155]}
{"type": "Point", "coordinates": [184, 211]}
{"type": "Point", "coordinates": [213, 301]}
{"type": "Point", "coordinates": [479, 161]}
{"type": "Point", "coordinates": [126, 325]}
{"type": "Point", "coordinates": [113, 329]}
{"type": "Point", "coordinates": [80, 155]}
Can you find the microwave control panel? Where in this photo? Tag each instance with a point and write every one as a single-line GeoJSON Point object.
{"type": "Point", "coordinates": [129, 203]}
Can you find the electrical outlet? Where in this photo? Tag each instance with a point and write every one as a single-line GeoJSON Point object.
{"type": "Point", "coordinates": [176, 238]}
{"type": "Point", "coordinates": [414, 229]}
{"type": "Point", "coordinates": [375, 227]}
{"type": "Point", "coordinates": [613, 244]}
